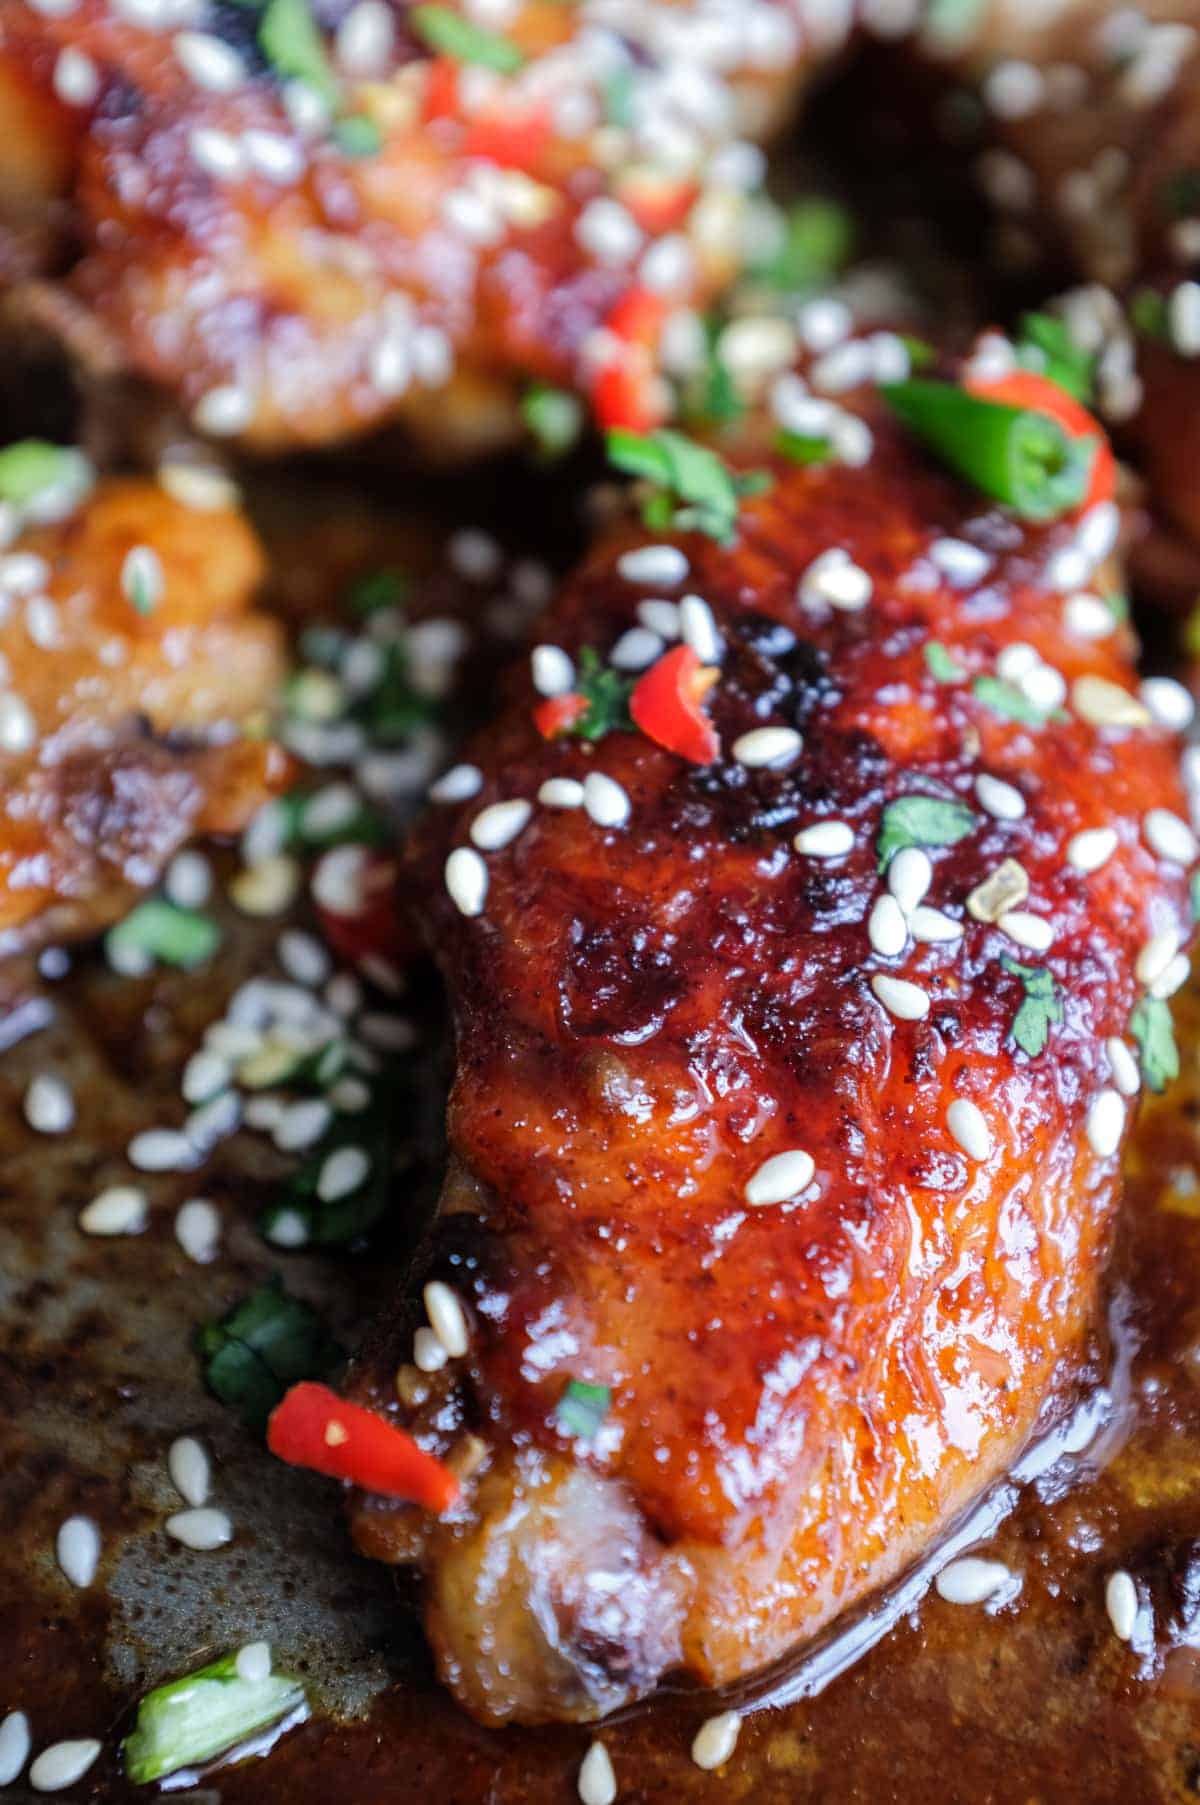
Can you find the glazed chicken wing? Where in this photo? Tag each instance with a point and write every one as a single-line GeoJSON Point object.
{"type": "Point", "coordinates": [410, 217]}
{"type": "Point", "coordinates": [797, 996]}
{"type": "Point", "coordinates": [131, 663]}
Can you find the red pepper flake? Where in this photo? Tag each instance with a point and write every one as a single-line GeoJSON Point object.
{"type": "Point", "coordinates": [312, 1427]}
{"type": "Point", "coordinates": [638, 317]}
{"type": "Point", "coordinates": [665, 704]}
{"type": "Point", "coordinates": [559, 714]}
{"type": "Point", "coordinates": [1029, 389]}
{"type": "Point", "coordinates": [441, 89]}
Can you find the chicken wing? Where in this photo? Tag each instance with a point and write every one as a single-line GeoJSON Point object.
{"type": "Point", "coordinates": [793, 1065]}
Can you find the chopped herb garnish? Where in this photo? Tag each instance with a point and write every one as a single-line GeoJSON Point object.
{"type": "Point", "coordinates": [371, 1131]}
{"type": "Point", "coordinates": [31, 466]}
{"type": "Point", "coordinates": [922, 821]}
{"type": "Point", "coordinates": [1150, 1026]}
{"type": "Point", "coordinates": [818, 238]}
{"type": "Point", "coordinates": [606, 693]}
{"type": "Point", "coordinates": [161, 930]}
{"type": "Point", "coordinates": [940, 665]}
{"type": "Point", "coordinates": [1148, 314]}
{"type": "Point", "coordinates": [449, 34]}
{"type": "Point", "coordinates": [554, 418]}
{"type": "Point", "coordinates": [1045, 345]}
{"type": "Point", "coordinates": [263, 1345]}
{"type": "Point", "coordinates": [292, 44]}
{"type": "Point", "coordinates": [710, 397]}
{"type": "Point", "coordinates": [692, 487]}
{"type": "Point", "coordinates": [189, 1721]}
{"type": "Point", "coordinates": [357, 136]}
{"type": "Point", "coordinates": [921, 354]}
{"type": "Point", "coordinates": [616, 91]}
{"type": "Point", "coordinates": [1017, 455]}
{"type": "Point", "coordinates": [1117, 605]}
{"type": "Point", "coordinates": [393, 708]}
{"type": "Point", "coordinates": [804, 448]}
{"type": "Point", "coordinates": [582, 1408]}
{"type": "Point", "coordinates": [1041, 1008]}
{"type": "Point", "coordinates": [386, 588]}
{"type": "Point", "coordinates": [1009, 702]}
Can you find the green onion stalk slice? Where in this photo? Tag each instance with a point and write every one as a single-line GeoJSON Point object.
{"type": "Point", "coordinates": [1016, 455]}
{"type": "Point", "coordinates": [189, 1721]}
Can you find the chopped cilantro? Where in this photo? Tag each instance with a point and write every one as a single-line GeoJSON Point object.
{"type": "Point", "coordinates": [357, 136]}
{"type": "Point", "coordinates": [160, 930]}
{"type": "Point", "coordinates": [582, 1409]}
{"type": "Point", "coordinates": [921, 821]}
{"type": "Point", "coordinates": [31, 466]}
{"type": "Point", "coordinates": [940, 665]}
{"type": "Point", "coordinates": [1148, 314]}
{"type": "Point", "coordinates": [692, 488]}
{"type": "Point", "coordinates": [449, 34]}
{"type": "Point", "coordinates": [264, 1344]}
{"type": "Point", "coordinates": [818, 238]}
{"type": "Point", "coordinates": [616, 90]}
{"type": "Point", "coordinates": [1044, 344]}
{"type": "Point", "coordinates": [1009, 702]}
{"type": "Point", "coordinates": [385, 588]}
{"type": "Point", "coordinates": [1039, 1011]}
{"type": "Point", "coordinates": [554, 418]}
{"type": "Point", "coordinates": [346, 1218]}
{"type": "Point", "coordinates": [803, 448]}
{"type": "Point", "coordinates": [1150, 1026]}
{"type": "Point", "coordinates": [292, 44]}
{"type": "Point", "coordinates": [607, 694]}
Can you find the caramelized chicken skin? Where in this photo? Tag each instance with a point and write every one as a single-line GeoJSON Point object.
{"type": "Point", "coordinates": [131, 661]}
{"type": "Point", "coordinates": [800, 1394]}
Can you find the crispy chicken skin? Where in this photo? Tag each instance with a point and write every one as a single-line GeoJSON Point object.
{"type": "Point", "coordinates": [803, 1393]}
{"type": "Point", "coordinates": [121, 724]}
{"type": "Point", "coordinates": [402, 238]}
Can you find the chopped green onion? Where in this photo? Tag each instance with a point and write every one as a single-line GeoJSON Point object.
{"type": "Point", "coordinates": [1040, 1010]}
{"type": "Point", "coordinates": [449, 34]}
{"type": "Point", "coordinates": [187, 1722]}
{"type": "Point", "coordinates": [264, 1344]}
{"type": "Point", "coordinates": [386, 588]}
{"type": "Point", "coordinates": [357, 136]}
{"type": "Point", "coordinates": [293, 46]}
{"type": "Point", "coordinates": [921, 821]}
{"type": "Point", "coordinates": [693, 488]}
{"type": "Point", "coordinates": [803, 448]}
{"type": "Point", "coordinates": [161, 930]}
{"type": "Point", "coordinates": [940, 665]}
{"type": "Point", "coordinates": [371, 1131]}
{"type": "Point", "coordinates": [31, 466]}
{"type": "Point", "coordinates": [818, 238]}
{"type": "Point", "coordinates": [393, 708]}
{"type": "Point", "coordinates": [1016, 455]}
{"type": "Point", "coordinates": [1045, 345]}
{"type": "Point", "coordinates": [554, 418]}
{"type": "Point", "coordinates": [1009, 702]}
{"type": "Point", "coordinates": [1150, 1026]}
{"type": "Point", "coordinates": [582, 1408]}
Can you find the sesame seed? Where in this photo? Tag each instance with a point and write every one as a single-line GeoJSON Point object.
{"type": "Point", "coordinates": [188, 1465]}
{"type": "Point", "coordinates": [932, 927]}
{"type": "Point", "coordinates": [698, 629]}
{"type": "Point", "coordinates": [662, 617]}
{"type": "Point", "coordinates": [23, 573]}
{"type": "Point", "coordinates": [1169, 837]}
{"type": "Point", "coordinates": [209, 61]}
{"type": "Point", "coordinates": [968, 1125]}
{"type": "Point", "coordinates": [253, 1662]}
{"type": "Point", "coordinates": [458, 784]}
{"type": "Point", "coordinates": [77, 1550]}
{"type": "Point", "coordinates": [716, 1740]}
{"type": "Point", "coordinates": [343, 1172]}
{"type": "Point", "coordinates": [366, 39]}
{"type": "Point", "coordinates": [161, 1150]}
{"type": "Point", "coordinates": [1027, 929]}
{"type": "Point", "coordinates": [553, 673]}
{"type": "Point", "coordinates": [338, 881]}
{"type": "Point", "coordinates": [561, 792]}
{"type": "Point", "coordinates": [76, 78]}
{"type": "Point", "coordinates": [15, 1744]}
{"type": "Point", "coordinates": [1088, 617]}
{"type": "Point", "coordinates": [499, 824]}
{"type": "Point", "coordinates": [1013, 89]}
{"type": "Point", "coordinates": [1105, 704]}
{"type": "Point", "coordinates": [833, 580]}
{"type": "Point", "coordinates": [825, 839]}
{"type": "Point", "coordinates": [288, 1229]}
{"type": "Point", "coordinates": [909, 876]}
{"type": "Point", "coordinates": [188, 880]}
{"type": "Point", "coordinates": [267, 888]}
{"type": "Point", "coordinates": [608, 231]}
{"type": "Point", "coordinates": [202, 1529]}
{"type": "Point", "coordinates": [217, 154]}
{"type": "Point", "coordinates": [767, 747]}
{"type": "Point", "coordinates": [597, 1783]}
{"type": "Point", "coordinates": [302, 1124]}
{"type": "Point", "coordinates": [467, 880]}
{"type": "Point", "coordinates": [1183, 318]}
{"type": "Point", "coordinates": [1123, 1066]}
{"type": "Point", "coordinates": [1156, 955]}
{"type": "Point", "coordinates": [303, 957]}
{"type": "Point", "coordinates": [656, 565]}
{"type": "Point", "coordinates": [1097, 531]}
{"type": "Point", "coordinates": [18, 729]}
{"type": "Point", "coordinates": [1106, 1123]}
{"type": "Point", "coordinates": [971, 1580]}
{"type": "Point", "coordinates": [275, 157]}
{"type": "Point", "coordinates": [1093, 847]}
{"type": "Point", "coordinates": [959, 561]}
{"type": "Point", "coordinates": [1171, 980]}
{"type": "Point", "coordinates": [202, 487]}
{"type": "Point", "coordinates": [49, 1104]}
{"type": "Point", "coordinates": [907, 1002]}
{"type": "Point", "coordinates": [223, 411]}
{"type": "Point", "coordinates": [1045, 687]}
{"type": "Point", "coordinates": [1003, 889]}
{"type": "Point", "coordinates": [605, 801]}
{"type": "Point", "coordinates": [63, 1763]}
{"type": "Point", "coordinates": [1121, 1603]}
{"type": "Point", "coordinates": [119, 1210]}
{"type": "Point", "coordinates": [447, 1318]}
{"type": "Point", "coordinates": [1169, 703]}
{"type": "Point", "coordinates": [780, 1178]}
{"type": "Point", "coordinates": [429, 1355]}
{"type": "Point", "coordinates": [635, 650]}
{"type": "Point", "coordinates": [886, 927]}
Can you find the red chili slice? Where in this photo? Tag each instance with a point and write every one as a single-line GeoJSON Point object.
{"type": "Point", "coordinates": [441, 89]}
{"type": "Point", "coordinates": [628, 393]}
{"type": "Point", "coordinates": [1027, 389]}
{"type": "Point", "coordinates": [515, 142]}
{"type": "Point", "coordinates": [666, 706]}
{"type": "Point", "coordinates": [312, 1427]}
{"type": "Point", "coordinates": [638, 317]}
{"type": "Point", "coordinates": [559, 714]}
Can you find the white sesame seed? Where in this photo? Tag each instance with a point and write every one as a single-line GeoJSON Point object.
{"type": "Point", "coordinates": [781, 1177]}
{"type": "Point", "coordinates": [467, 880]}
{"type": "Point", "coordinates": [429, 1355]}
{"type": "Point", "coordinates": [1088, 617]}
{"type": "Point", "coordinates": [553, 673]}
{"type": "Point", "coordinates": [1173, 979]}
{"type": "Point", "coordinates": [202, 487]}
{"type": "Point", "coordinates": [303, 957]}
{"type": "Point", "coordinates": [188, 1465]}
{"type": "Point", "coordinates": [597, 1782]}
{"type": "Point", "coordinates": [907, 1002]}
{"type": "Point", "coordinates": [767, 747]}
{"type": "Point", "coordinates": [209, 61]}
{"type": "Point", "coordinates": [1155, 956]}
{"type": "Point", "coordinates": [77, 1550]}
{"type": "Point", "coordinates": [224, 411]}
{"type": "Point", "coordinates": [909, 876]}
{"type": "Point", "coordinates": [604, 800]}
{"type": "Point", "coordinates": [968, 1125]}
{"type": "Point", "coordinates": [202, 1528]}
{"type": "Point", "coordinates": [458, 784]}
{"type": "Point", "coordinates": [1121, 1603]}
{"type": "Point", "coordinates": [302, 1124]}
{"type": "Point", "coordinates": [1169, 837]}
{"type": "Point", "coordinates": [198, 1230]}
{"type": "Point", "coordinates": [1027, 929]}
{"type": "Point", "coordinates": [475, 554]}
{"type": "Point", "coordinates": [63, 1763]}
{"type": "Point", "coordinates": [119, 1210]}
{"type": "Point", "coordinates": [366, 39]}
{"type": "Point", "coordinates": [76, 78]}
{"type": "Point", "coordinates": [288, 1229]}
{"type": "Point", "coordinates": [343, 1172]}
{"type": "Point", "coordinates": [715, 1740]}
{"type": "Point", "coordinates": [1106, 704]}
{"type": "Point", "coordinates": [659, 566]}
{"type": "Point", "coordinates": [49, 1104]}
{"type": "Point", "coordinates": [886, 927]}
{"type": "Point", "coordinates": [15, 1744]}
{"type": "Point", "coordinates": [971, 1580]}
{"type": "Point", "coordinates": [1123, 1066]}
{"type": "Point", "coordinates": [1013, 89]}
{"type": "Point", "coordinates": [18, 729]}
{"type": "Point", "coordinates": [338, 881]}
{"type": "Point", "coordinates": [499, 824]}
{"type": "Point", "coordinates": [1106, 1123]}
{"type": "Point", "coordinates": [833, 580]}
{"type": "Point", "coordinates": [188, 880]}
{"type": "Point", "coordinates": [1098, 530]}
{"type": "Point", "coordinates": [1169, 703]}
{"type": "Point", "coordinates": [635, 650]}
{"type": "Point", "coordinates": [253, 1662]}
{"type": "Point", "coordinates": [1183, 318]}
{"type": "Point", "coordinates": [266, 888]}
{"type": "Point", "coordinates": [960, 561]}
{"type": "Point", "coordinates": [1088, 850]}
{"type": "Point", "coordinates": [662, 617]}
{"type": "Point", "coordinates": [608, 231]}
{"type": "Point", "coordinates": [825, 840]}
{"type": "Point", "coordinates": [561, 792]}
{"type": "Point", "coordinates": [1045, 687]}
{"type": "Point", "coordinates": [1001, 800]}
{"type": "Point", "coordinates": [23, 573]}
{"type": "Point", "coordinates": [698, 629]}
{"type": "Point", "coordinates": [218, 154]}
{"type": "Point", "coordinates": [932, 927]}
{"type": "Point", "coordinates": [161, 1150]}
{"type": "Point", "coordinates": [447, 1318]}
